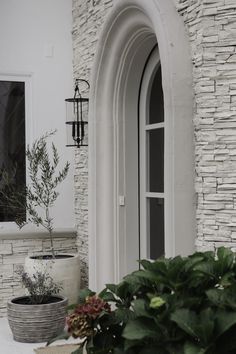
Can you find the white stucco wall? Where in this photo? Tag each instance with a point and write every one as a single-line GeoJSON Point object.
{"type": "Point", "coordinates": [35, 40]}
{"type": "Point", "coordinates": [36, 45]}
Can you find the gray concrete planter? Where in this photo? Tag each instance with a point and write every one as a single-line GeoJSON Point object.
{"type": "Point", "coordinates": [64, 270]}
{"type": "Point", "coordinates": [36, 323]}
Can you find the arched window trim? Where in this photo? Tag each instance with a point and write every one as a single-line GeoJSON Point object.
{"type": "Point", "coordinates": [133, 27]}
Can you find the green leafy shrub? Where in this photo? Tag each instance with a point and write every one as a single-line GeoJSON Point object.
{"type": "Point", "coordinates": [171, 306]}
{"type": "Point", "coordinates": [40, 286]}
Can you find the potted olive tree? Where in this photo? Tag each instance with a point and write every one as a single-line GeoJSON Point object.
{"type": "Point", "coordinates": [40, 315]}
{"type": "Point", "coordinates": [37, 200]}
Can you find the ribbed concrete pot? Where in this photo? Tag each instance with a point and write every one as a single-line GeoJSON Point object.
{"type": "Point", "coordinates": [64, 270]}
{"type": "Point", "coordinates": [36, 323]}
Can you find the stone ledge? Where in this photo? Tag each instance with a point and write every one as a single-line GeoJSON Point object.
{"type": "Point", "coordinates": [59, 233]}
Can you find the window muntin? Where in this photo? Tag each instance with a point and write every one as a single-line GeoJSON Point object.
{"type": "Point", "coordinates": [12, 140]}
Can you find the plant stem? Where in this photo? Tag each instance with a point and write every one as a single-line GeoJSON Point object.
{"type": "Point", "coordinates": [49, 227]}
{"type": "Point", "coordinates": [51, 240]}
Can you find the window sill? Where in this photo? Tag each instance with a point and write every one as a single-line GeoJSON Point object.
{"type": "Point", "coordinates": [58, 233]}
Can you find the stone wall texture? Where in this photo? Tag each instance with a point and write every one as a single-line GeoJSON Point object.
{"type": "Point", "coordinates": [88, 17]}
{"type": "Point", "coordinates": [211, 28]}
{"type": "Point", "coordinates": [12, 256]}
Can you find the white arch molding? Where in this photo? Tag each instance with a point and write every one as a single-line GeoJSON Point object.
{"type": "Point", "coordinates": [130, 32]}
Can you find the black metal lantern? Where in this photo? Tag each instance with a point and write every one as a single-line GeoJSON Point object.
{"type": "Point", "coordinates": [77, 116]}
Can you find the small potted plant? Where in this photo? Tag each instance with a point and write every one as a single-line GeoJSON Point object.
{"type": "Point", "coordinates": [37, 200]}
{"type": "Point", "coordinates": [41, 314]}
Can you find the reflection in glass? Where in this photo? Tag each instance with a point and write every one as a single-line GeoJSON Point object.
{"type": "Point", "coordinates": [156, 214]}
{"type": "Point", "coordinates": [156, 160]}
{"type": "Point", "coordinates": [12, 140]}
{"type": "Point", "coordinates": [156, 105]}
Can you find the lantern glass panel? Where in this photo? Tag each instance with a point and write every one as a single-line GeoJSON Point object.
{"type": "Point", "coordinates": [71, 110]}
{"type": "Point", "coordinates": [77, 121]}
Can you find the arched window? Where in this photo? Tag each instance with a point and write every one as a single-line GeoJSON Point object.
{"type": "Point", "coordinates": [152, 160]}
{"type": "Point", "coordinates": [154, 151]}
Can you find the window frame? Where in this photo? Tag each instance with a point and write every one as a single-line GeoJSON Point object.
{"type": "Point", "coordinates": [150, 70]}
{"type": "Point", "coordinates": [26, 77]}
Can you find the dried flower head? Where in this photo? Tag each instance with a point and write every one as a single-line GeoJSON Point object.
{"type": "Point", "coordinates": [81, 322]}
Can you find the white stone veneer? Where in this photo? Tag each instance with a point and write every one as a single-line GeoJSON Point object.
{"type": "Point", "coordinates": [211, 27]}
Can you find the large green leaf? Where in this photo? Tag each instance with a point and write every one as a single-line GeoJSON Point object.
{"type": "Point", "coordinates": [118, 351]}
{"type": "Point", "coordinates": [152, 350]}
{"type": "Point", "coordinates": [159, 266]}
{"type": "Point", "coordinates": [146, 264]}
{"type": "Point", "coordinates": [200, 327]}
{"type": "Point", "coordinates": [124, 315]}
{"type": "Point", "coordinates": [224, 321]}
{"type": "Point", "coordinates": [206, 269]}
{"type": "Point", "coordinates": [130, 344]}
{"type": "Point", "coordinates": [225, 260]}
{"type": "Point", "coordinates": [206, 326]}
{"type": "Point", "coordinates": [192, 262]}
{"type": "Point", "coordinates": [190, 348]}
{"type": "Point", "coordinates": [140, 308]}
{"type": "Point", "coordinates": [124, 290]}
{"type": "Point", "coordinates": [136, 282]}
{"type": "Point", "coordinates": [147, 274]}
{"type": "Point", "coordinates": [141, 328]}
{"type": "Point", "coordinates": [109, 297]}
{"type": "Point", "coordinates": [112, 287]}
{"type": "Point", "coordinates": [186, 320]}
{"type": "Point", "coordinates": [85, 293]}
{"type": "Point", "coordinates": [226, 343]}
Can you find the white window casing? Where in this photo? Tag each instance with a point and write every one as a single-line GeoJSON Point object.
{"type": "Point", "coordinates": [130, 32]}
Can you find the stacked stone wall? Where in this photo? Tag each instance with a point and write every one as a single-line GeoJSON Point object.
{"type": "Point", "coordinates": [211, 27]}
{"type": "Point", "coordinates": [88, 17]}
{"type": "Point", "coordinates": [12, 256]}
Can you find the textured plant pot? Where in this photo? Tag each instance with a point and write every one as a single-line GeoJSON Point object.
{"type": "Point", "coordinates": [64, 270]}
{"type": "Point", "coordinates": [36, 323]}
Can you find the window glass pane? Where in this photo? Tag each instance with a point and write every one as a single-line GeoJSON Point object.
{"type": "Point", "coordinates": [12, 141]}
{"type": "Point", "coordinates": [156, 160]}
{"type": "Point", "coordinates": [156, 214]}
{"type": "Point", "coordinates": [156, 104]}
